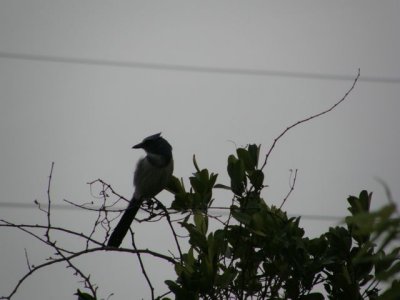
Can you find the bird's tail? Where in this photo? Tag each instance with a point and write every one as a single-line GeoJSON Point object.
{"type": "Point", "coordinates": [124, 223]}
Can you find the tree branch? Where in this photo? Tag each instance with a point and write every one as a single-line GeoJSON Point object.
{"type": "Point", "coordinates": [84, 252]}
{"type": "Point", "coordinates": [309, 119]}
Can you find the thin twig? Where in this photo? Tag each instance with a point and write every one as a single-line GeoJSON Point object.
{"type": "Point", "coordinates": [27, 260]}
{"type": "Point", "coordinates": [86, 279]}
{"type": "Point", "coordinates": [142, 266]}
{"type": "Point", "coordinates": [85, 207]}
{"type": "Point", "coordinates": [163, 295]}
{"type": "Point", "coordinates": [309, 118]}
{"type": "Point", "coordinates": [23, 228]}
{"type": "Point", "coordinates": [47, 234]}
{"type": "Point", "coordinates": [84, 252]}
{"type": "Point", "coordinates": [291, 188]}
{"type": "Point", "coordinates": [68, 231]}
{"type": "Point", "coordinates": [172, 227]}
{"type": "Point", "coordinates": [106, 187]}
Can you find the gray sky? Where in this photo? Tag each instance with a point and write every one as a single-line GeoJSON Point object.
{"type": "Point", "coordinates": [86, 117]}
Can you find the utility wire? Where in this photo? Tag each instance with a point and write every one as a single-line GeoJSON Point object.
{"type": "Point", "coordinates": [75, 208]}
{"type": "Point", "coordinates": [191, 68]}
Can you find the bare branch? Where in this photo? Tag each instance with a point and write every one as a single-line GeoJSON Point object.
{"type": "Point", "coordinates": [27, 260]}
{"type": "Point", "coordinates": [49, 203]}
{"type": "Point", "coordinates": [78, 272]}
{"type": "Point", "coordinates": [66, 255]}
{"type": "Point", "coordinates": [142, 266]}
{"type": "Point", "coordinates": [23, 227]}
{"type": "Point", "coordinates": [309, 119]}
{"type": "Point", "coordinates": [67, 231]}
{"type": "Point", "coordinates": [84, 252]}
{"type": "Point", "coordinates": [172, 227]}
{"type": "Point", "coordinates": [291, 187]}
{"type": "Point", "coordinates": [106, 187]}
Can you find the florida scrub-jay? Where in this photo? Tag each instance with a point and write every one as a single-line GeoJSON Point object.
{"type": "Point", "coordinates": [151, 176]}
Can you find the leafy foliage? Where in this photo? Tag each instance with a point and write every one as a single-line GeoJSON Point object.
{"type": "Point", "coordinates": [261, 253]}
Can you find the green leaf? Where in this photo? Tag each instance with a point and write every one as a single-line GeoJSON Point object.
{"type": "Point", "coordinates": [240, 216]}
{"type": "Point", "coordinates": [196, 166]}
{"type": "Point", "coordinates": [317, 246]}
{"type": "Point", "coordinates": [183, 201]}
{"type": "Point", "coordinates": [201, 222]}
{"type": "Point", "coordinates": [383, 261]}
{"type": "Point", "coordinates": [237, 174]}
{"type": "Point", "coordinates": [312, 296]}
{"type": "Point", "coordinates": [197, 238]}
{"type": "Point", "coordinates": [174, 287]}
{"type": "Point", "coordinates": [395, 269]}
{"type": "Point", "coordinates": [226, 278]}
{"type": "Point", "coordinates": [188, 265]}
{"type": "Point", "coordinates": [84, 296]}
{"type": "Point", "coordinates": [360, 204]}
{"type": "Point", "coordinates": [212, 180]}
{"type": "Point", "coordinates": [222, 186]}
{"type": "Point", "coordinates": [197, 184]}
{"type": "Point", "coordinates": [339, 241]}
{"type": "Point", "coordinates": [392, 293]}
{"type": "Point", "coordinates": [254, 152]}
{"type": "Point", "coordinates": [256, 179]}
{"type": "Point", "coordinates": [175, 185]}
{"type": "Point", "coordinates": [246, 158]}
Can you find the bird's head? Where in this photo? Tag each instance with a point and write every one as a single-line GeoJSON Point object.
{"type": "Point", "coordinates": [155, 145]}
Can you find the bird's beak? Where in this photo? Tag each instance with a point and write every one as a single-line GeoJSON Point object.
{"type": "Point", "coordinates": [138, 146]}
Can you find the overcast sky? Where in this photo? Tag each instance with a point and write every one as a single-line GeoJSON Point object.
{"type": "Point", "coordinates": [83, 81]}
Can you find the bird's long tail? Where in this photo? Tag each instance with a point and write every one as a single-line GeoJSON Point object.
{"type": "Point", "coordinates": [123, 225]}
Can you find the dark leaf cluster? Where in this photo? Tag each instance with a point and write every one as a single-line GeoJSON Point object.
{"type": "Point", "coordinates": [261, 253]}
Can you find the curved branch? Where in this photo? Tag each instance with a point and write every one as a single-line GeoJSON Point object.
{"type": "Point", "coordinates": [291, 185]}
{"type": "Point", "coordinates": [310, 118]}
{"type": "Point", "coordinates": [87, 251]}
{"type": "Point", "coordinates": [21, 226]}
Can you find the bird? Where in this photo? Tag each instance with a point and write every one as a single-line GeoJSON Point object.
{"type": "Point", "coordinates": [151, 176]}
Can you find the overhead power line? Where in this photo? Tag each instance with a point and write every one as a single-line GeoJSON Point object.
{"type": "Point", "coordinates": [191, 68]}
{"type": "Point", "coordinates": [75, 208]}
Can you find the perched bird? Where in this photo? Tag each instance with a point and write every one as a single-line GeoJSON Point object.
{"type": "Point", "coordinates": [151, 176]}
